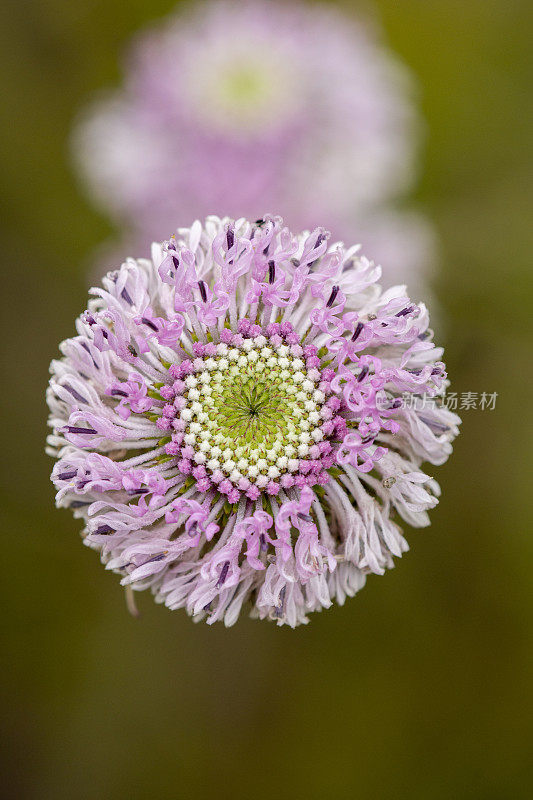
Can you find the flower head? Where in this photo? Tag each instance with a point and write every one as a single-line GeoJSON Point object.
{"type": "Point", "coordinates": [246, 106]}
{"type": "Point", "coordinates": [229, 421]}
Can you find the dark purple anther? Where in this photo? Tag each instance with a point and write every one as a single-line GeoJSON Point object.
{"type": "Point", "coordinates": [279, 607]}
{"type": "Point", "coordinates": [118, 393]}
{"type": "Point", "coordinates": [125, 296]}
{"type": "Point", "coordinates": [333, 295]}
{"type": "Point", "coordinates": [223, 574]}
{"type": "Point", "coordinates": [203, 291]}
{"type": "Point", "coordinates": [263, 542]}
{"type": "Point", "coordinates": [159, 557]}
{"type": "Point", "coordinates": [66, 476]}
{"type": "Point", "coordinates": [271, 272]}
{"type": "Point", "coordinates": [103, 530]}
{"type": "Point", "coordinates": [398, 403]}
{"type": "Point", "coordinates": [193, 530]}
{"type": "Point", "coordinates": [305, 517]}
{"type": "Point", "coordinates": [150, 324]}
{"type": "Point", "coordinates": [432, 423]}
{"type": "Point", "coordinates": [79, 503]}
{"type": "Point", "coordinates": [362, 374]}
{"type": "Point", "coordinates": [132, 492]}
{"type": "Point", "coordinates": [319, 240]}
{"type": "Point", "coordinates": [230, 238]}
{"type": "Point", "coordinates": [74, 429]}
{"type": "Point", "coordinates": [74, 393]}
{"type": "Point", "coordinates": [176, 262]}
{"type": "Point", "coordinates": [405, 311]}
{"type": "Point", "coordinates": [295, 262]}
{"type": "Point", "coordinates": [132, 350]}
{"type": "Point", "coordinates": [424, 336]}
{"type": "Point", "coordinates": [357, 331]}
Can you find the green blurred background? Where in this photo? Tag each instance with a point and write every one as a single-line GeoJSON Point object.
{"type": "Point", "coordinates": [421, 687]}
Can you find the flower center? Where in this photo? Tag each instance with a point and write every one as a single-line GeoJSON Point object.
{"type": "Point", "coordinates": [251, 413]}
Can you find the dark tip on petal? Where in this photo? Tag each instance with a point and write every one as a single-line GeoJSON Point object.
{"type": "Point", "coordinates": [357, 331]}
{"type": "Point", "coordinates": [230, 238]}
{"type": "Point", "coordinates": [158, 557]}
{"type": "Point", "coordinates": [333, 295]}
{"type": "Point", "coordinates": [75, 429]}
{"type": "Point", "coordinates": [271, 272]}
{"type": "Point", "coordinates": [223, 574]}
{"type": "Point", "coordinates": [67, 476]}
{"type": "Point", "coordinates": [405, 311]}
{"type": "Point", "coordinates": [362, 374]}
{"type": "Point", "coordinates": [203, 290]}
{"type": "Point", "coordinates": [279, 607]}
{"type": "Point", "coordinates": [149, 323]}
{"type": "Point", "coordinates": [74, 393]}
{"type": "Point", "coordinates": [125, 296]}
{"type": "Point", "coordinates": [103, 530]}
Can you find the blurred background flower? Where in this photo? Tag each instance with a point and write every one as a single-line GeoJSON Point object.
{"type": "Point", "coordinates": [418, 688]}
{"type": "Point", "coordinates": [243, 108]}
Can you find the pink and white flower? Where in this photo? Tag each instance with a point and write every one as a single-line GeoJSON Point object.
{"type": "Point", "coordinates": [255, 456]}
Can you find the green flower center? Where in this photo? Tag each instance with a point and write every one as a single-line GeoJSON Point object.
{"type": "Point", "coordinates": [252, 412]}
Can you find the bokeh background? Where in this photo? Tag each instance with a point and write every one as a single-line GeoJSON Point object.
{"type": "Point", "coordinates": [421, 687]}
